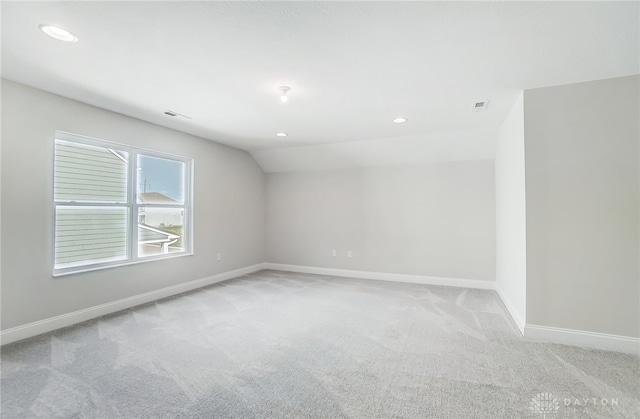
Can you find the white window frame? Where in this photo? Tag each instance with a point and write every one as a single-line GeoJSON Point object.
{"type": "Point", "coordinates": [132, 205]}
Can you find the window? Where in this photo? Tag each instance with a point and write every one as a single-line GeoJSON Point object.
{"type": "Point", "coordinates": [117, 205]}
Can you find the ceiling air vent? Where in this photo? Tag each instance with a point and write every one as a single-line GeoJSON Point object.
{"type": "Point", "coordinates": [480, 106]}
{"type": "Point", "coordinates": [173, 113]}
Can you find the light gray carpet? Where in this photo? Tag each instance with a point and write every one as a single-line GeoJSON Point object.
{"type": "Point", "coordinates": [276, 344]}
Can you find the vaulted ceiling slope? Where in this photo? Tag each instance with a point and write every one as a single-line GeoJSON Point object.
{"type": "Point", "coordinates": [352, 67]}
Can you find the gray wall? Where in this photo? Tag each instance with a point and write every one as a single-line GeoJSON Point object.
{"type": "Point", "coordinates": [582, 185]}
{"type": "Point", "coordinates": [432, 219]}
{"type": "Point", "coordinates": [228, 207]}
{"type": "Point", "coordinates": [511, 247]}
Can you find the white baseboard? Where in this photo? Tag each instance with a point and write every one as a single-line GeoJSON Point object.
{"type": "Point", "coordinates": [382, 276]}
{"type": "Point", "coordinates": [593, 340]}
{"type": "Point", "coordinates": [42, 326]}
{"type": "Point", "coordinates": [553, 334]}
{"type": "Point", "coordinates": [517, 318]}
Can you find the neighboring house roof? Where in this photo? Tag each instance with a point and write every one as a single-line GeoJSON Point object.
{"type": "Point", "coordinates": [148, 234]}
{"type": "Point", "coordinates": [155, 198]}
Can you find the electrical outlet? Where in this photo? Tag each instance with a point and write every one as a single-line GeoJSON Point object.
{"type": "Point", "coordinates": [348, 253]}
{"type": "Point", "coordinates": [334, 253]}
{"type": "Point", "coordinates": [219, 256]}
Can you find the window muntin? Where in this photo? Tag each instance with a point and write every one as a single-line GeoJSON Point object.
{"type": "Point", "coordinates": [104, 216]}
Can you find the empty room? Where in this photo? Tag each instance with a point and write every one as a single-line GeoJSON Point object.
{"type": "Point", "coordinates": [320, 209]}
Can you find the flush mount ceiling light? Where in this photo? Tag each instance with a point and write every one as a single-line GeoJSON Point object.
{"type": "Point", "coordinates": [400, 120]}
{"type": "Point", "coordinates": [283, 93]}
{"type": "Point", "coordinates": [58, 33]}
{"type": "Point", "coordinates": [281, 134]}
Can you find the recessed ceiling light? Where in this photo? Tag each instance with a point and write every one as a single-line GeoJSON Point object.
{"type": "Point", "coordinates": [58, 33]}
{"type": "Point", "coordinates": [281, 134]}
{"type": "Point", "coordinates": [400, 120]}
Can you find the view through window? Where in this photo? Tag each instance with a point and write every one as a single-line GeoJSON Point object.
{"type": "Point", "coordinates": [160, 205]}
{"type": "Point", "coordinates": [116, 204]}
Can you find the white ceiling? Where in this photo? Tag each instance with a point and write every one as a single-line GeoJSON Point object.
{"type": "Point", "coordinates": [352, 67]}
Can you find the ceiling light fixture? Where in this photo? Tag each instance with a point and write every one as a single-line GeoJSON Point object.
{"type": "Point", "coordinates": [281, 134]}
{"type": "Point", "coordinates": [400, 120]}
{"type": "Point", "coordinates": [58, 33]}
{"type": "Point", "coordinates": [283, 93]}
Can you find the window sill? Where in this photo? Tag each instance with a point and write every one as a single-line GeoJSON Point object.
{"type": "Point", "coordinates": [81, 270]}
